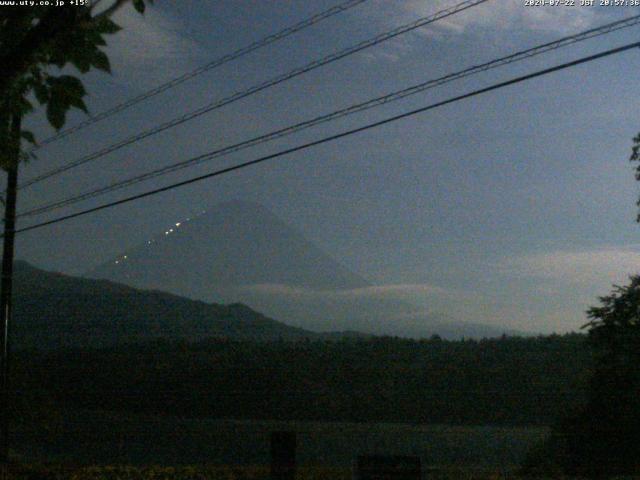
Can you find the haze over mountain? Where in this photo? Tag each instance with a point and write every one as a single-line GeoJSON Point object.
{"type": "Point", "coordinates": [241, 252]}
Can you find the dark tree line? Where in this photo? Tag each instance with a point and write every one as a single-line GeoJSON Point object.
{"type": "Point", "coordinates": [510, 381]}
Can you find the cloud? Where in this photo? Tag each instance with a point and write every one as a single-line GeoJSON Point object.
{"type": "Point", "coordinates": [600, 267]}
{"type": "Point", "coordinates": [497, 16]}
{"type": "Point", "coordinates": [506, 15]}
{"type": "Point", "coordinates": [397, 291]}
{"type": "Point", "coordinates": [401, 289]}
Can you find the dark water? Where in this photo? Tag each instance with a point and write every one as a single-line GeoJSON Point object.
{"type": "Point", "coordinates": [91, 438]}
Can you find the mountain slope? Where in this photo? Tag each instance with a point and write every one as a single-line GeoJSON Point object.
{"type": "Point", "coordinates": [52, 310]}
{"type": "Point", "coordinates": [241, 252]}
{"type": "Point", "coordinates": [233, 245]}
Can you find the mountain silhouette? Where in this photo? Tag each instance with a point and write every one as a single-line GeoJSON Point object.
{"type": "Point", "coordinates": [235, 244]}
{"type": "Point", "coordinates": [52, 310]}
{"type": "Point", "coordinates": [242, 252]}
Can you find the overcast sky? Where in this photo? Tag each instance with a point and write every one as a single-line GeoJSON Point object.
{"type": "Point", "coordinates": [514, 208]}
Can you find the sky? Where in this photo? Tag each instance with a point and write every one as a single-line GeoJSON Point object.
{"type": "Point", "coordinates": [514, 208]}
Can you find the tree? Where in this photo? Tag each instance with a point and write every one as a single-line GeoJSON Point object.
{"type": "Point", "coordinates": [635, 157]}
{"type": "Point", "coordinates": [603, 439]}
{"type": "Point", "coordinates": [34, 40]}
{"type": "Point", "coordinates": [613, 409]}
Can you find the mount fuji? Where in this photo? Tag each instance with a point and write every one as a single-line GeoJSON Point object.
{"type": "Point", "coordinates": [242, 252]}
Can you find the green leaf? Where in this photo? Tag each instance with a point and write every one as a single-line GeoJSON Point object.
{"type": "Point", "coordinates": [66, 84]}
{"type": "Point", "coordinates": [95, 38]}
{"type": "Point", "coordinates": [101, 61]}
{"type": "Point", "coordinates": [78, 103]}
{"type": "Point", "coordinates": [106, 26]}
{"type": "Point", "coordinates": [28, 136]}
{"type": "Point", "coordinates": [56, 114]}
{"type": "Point", "coordinates": [139, 5]}
{"type": "Point", "coordinates": [25, 106]}
{"type": "Point", "coordinates": [42, 93]}
{"type": "Point", "coordinates": [81, 59]}
{"type": "Point", "coordinates": [65, 92]}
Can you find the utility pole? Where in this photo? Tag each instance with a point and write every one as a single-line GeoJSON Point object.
{"type": "Point", "coordinates": [6, 283]}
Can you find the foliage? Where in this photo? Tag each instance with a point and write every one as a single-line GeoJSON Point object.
{"type": "Point", "coordinates": [614, 329]}
{"type": "Point", "coordinates": [603, 438]}
{"type": "Point", "coordinates": [35, 39]}
{"type": "Point", "coordinates": [635, 157]}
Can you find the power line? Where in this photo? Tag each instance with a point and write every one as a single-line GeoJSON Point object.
{"type": "Point", "coordinates": [263, 42]}
{"type": "Point", "coordinates": [331, 138]}
{"type": "Point", "coordinates": [518, 56]}
{"type": "Point", "coordinates": [258, 88]}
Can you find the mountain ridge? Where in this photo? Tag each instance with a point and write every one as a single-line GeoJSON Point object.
{"type": "Point", "coordinates": [53, 310]}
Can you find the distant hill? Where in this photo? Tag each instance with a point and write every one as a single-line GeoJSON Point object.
{"type": "Point", "coordinates": [52, 310]}
{"type": "Point", "coordinates": [241, 252]}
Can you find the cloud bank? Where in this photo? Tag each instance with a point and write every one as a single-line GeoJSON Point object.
{"type": "Point", "coordinates": [506, 15]}
{"type": "Point", "coordinates": [601, 267]}
{"type": "Point", "coordinates": [397, 291]}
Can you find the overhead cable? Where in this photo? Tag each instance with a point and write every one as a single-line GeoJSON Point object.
{"type": "Point", "coordinates": [332, 138]}
{"type": "Point", "coordinates": [263, 42]}
{"type": "Point", "coordinates": [375, 102]}
{"type": "Point", "coordinates": [255, 89]}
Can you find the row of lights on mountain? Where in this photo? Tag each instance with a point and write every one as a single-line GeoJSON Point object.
{"type": "Point", "coordinates": [167, 232]}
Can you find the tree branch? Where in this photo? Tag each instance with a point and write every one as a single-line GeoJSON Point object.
{"type": "Point", "coordinates": [57, 20]}
{"type": "Point", "coordinates": [16, 62]}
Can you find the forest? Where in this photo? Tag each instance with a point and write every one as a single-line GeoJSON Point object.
{"type": "Point", "coordinates": [503, 381]}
